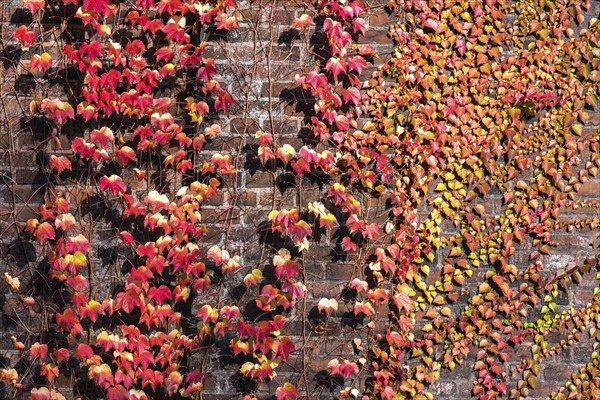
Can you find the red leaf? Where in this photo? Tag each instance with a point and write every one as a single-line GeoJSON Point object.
{"type": "Point", "coordinates": [114, 183]}
{"type": "Point", "coordinates": [285, 346]}
{"type": "Point", "coordinates": [38, 351]}
{"type": "Point", "coordinates": [501, 386]}
{"type": "Point", "coordinates": [227, 22]}
{"type": "Point", "coordinates": [338, 192]}
{"type": "Point", "coordinates": [287, 270]}
{"type": "Point", "coordinates": [60, 163]}
{"type": "Point", "coordinates": [366, 50]}
{"type": "Point", "coordinates": [111, 79]}
{"type": "Point", "coordinates": [35, 5]}
{"type": "Point", "coordinates": [100, 155]}
{"type": "Point", "coordinates": [371, 232]}
{"type": "Point", "coordinates": [57, 109]}
{"type": "Point", "coordinates": [347, 368]}
{"type": "Point", "coordinates": [287, 392]}
{"type": "Point", "coordinates": [25, 36]}
{"type": "Point", "coordinates": [359, 285]}
{"type": "Point", "coordinates": [145, 358]}
{"type": "Point", "coordinates": [40, 63]}
{"type": "Point", "coordinates": [69, 321]}
{"type": "Point", "coordinates": [42, 393]}
{"type": "Point", "coordinates": [164, 53]}
{"type": "Point", "coordinates": [157, 201]}
{"type": "Point", "coordinates": [207, 70]}
{"type": "Point", "coordinates": [239, 346]}
{"type": "Point", "coordinates": [406, 323]}
{"type": "Point", "coordinates": [154, 25]}
{"type": "Point", "coordinates": [166, 70]}
{"type": "Point", "coordinates": [95, 5]}
{"type": "Point", "coordinates": [50, 371]}
{"type": "Point", "coordinates": [224, 101]}
{"type": "Point", "coordinates": [365, 307]}
{"type": "Point", "coordinates": [230, 312]}
{"type": "Point", "coordinates": [91, 310]}
{"type": "Point", "coordinates": [342, 122]}
{"type": "Point", "coordinates": [83, 148]}
{"type": "Point", "coordinates": [301, 229]}
{"type": "Point", "coordinates": [128, 300]}
{"type": "Point", "coordinates": [316, 79]}
{"type": "Point", "coordinates": [300, 166]}
{"type": "Point", "coordinates": [84, 351]}
{"type": "Point", "coordinates": [61, 355]}
{"type": "Point", "coordinates": [266, 300]}
{"type": "Point", "coordinates": [103, 376]}
{"type": "Point", "coordinates": [160, 294]}
{"type": "Point", "coordinates": [127, 237]}
{"type": "Point", "coordinates": [208, 314]}
{"type": "Point", "coordinates": [77, 282]}
{"type": "Point", "coordinates": [357, 63]}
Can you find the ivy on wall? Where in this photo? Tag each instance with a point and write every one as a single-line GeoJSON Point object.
{"type": "Point", "coordinates": [487, 97]}
{"type": "Point", "coordinates": [472, 134]}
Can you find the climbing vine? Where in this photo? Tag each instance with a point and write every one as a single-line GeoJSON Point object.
{"type": "Point", "coordinates": [486, 110]}
{"type": "Point", "coordinates": [443, 175]}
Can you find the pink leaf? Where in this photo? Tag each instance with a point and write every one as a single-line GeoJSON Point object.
{"type": "Point", "coordinates": [359, 25]}
{"type": "Point", "coordinates": [348, 244]}
{"type": "Point", "coordinates": [433, 24]}
{"type": "Point", "coordinates": [102, 136]}
{"type": "Point", "coordinates": [351, 95]}
{"type": "Point", "coordinates": [287, 270]}
{"type": "Point", "coordinates": [78, 243]}
{"type": "Point", "coordinates": [336, 66]}
{"type": "Point", "coordinates": [126, 154]}
{"type": "Point", "coordinates": [303, 22]}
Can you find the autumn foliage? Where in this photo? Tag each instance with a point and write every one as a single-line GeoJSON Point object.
{"type": "Point", "coordinates": [444, 175]}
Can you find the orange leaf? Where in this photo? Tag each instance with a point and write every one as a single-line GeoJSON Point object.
{"type": "Point", "coordinates": [45, 232]}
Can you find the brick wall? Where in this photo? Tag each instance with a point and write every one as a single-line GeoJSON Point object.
{"type": "Point", "coordinates": [257, 64]}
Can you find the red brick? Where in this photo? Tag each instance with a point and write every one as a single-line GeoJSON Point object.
{"type": "Point", "coordinates": [376, 37]}
{"type": "Point", "coordinates": [379, 19]}
{"type": "Point", "coordinates": [558, 373]}
{"type": "Point", "coordinates": [590, 188]}
{"type": "Point", "coordinates": [259, 180]}
{"type": "Point", "coordinates": [340, 272]}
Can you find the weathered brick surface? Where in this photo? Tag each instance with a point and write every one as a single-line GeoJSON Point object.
{"type": "Point", "coordinates": [262, 91]}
